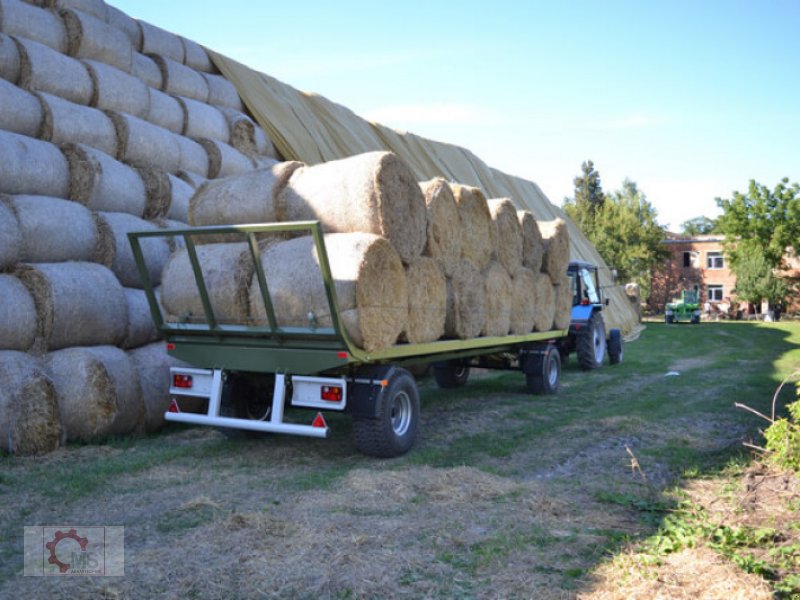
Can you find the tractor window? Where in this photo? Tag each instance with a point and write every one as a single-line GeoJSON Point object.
{"type": "Point", "coordinates": [589, 287]}
{"type": "Point", "coordinates": [573, 282]}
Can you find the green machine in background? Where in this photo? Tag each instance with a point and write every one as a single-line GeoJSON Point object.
{"type": "Point", "coordinates": [685, 308]}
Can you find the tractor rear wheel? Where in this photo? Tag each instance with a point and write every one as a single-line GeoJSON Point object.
{"type": "Point", "coordinates": [591, 343]}
{"type": "Point", "coordinates": [615, 350]}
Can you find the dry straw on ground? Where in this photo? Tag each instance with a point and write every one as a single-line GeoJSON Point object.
{"type": "Point", "coordinates": [499, 295]}
{"type": "Point", "coordinates": [563, 303]}
{"type": "Point", "coordinates": [90, 37]}
{"type": "Point", "coordinates": [227, 271]}
{"type": "Point", "coordinates": [29, 166]}
{"type": "Point", "coordinates": [69, 122]}
{"type": "Point", "coordinates": [180, 80]}
{"type": "Point", "coordinates": [555, 237]}
{"type": "Point", "coordinates": [443, 239]}
{"type": "Point", "coordinates": [225, 160]}
{"type": "Point", "coordinates": [29, 419]}
{"type": "Point", "coordinates": [374, 192]}
{"type": "Point", "coordinates": [369, 280]}
{"type": "Point", "coordinates": [22, 111]}
{"type": "Point", "coordinates": [45, 70]}
{"type": "Point", "coordinates": [156, 250]}
{"type": "Point", "coordinates": [114, 89]}
{"type": "Point", "coordinates": [10, 237]}
{"type": "Point", "coordinates": [142, 144]}
{"type": "Point", "coordinates": [22, 19]}
{"type": "Point", "coordinates": [201, 120]}
{"type": "Point", "coordinates": [508, 244]}
{"type": "Point", "coordinates": [532, 245]}
{"type": "Point", "coordinates": [477, 228]}
{"type": "Point", "coordinates": [103, 183]}
{"type": "Point", "coordinates": [466, 302]}
{"type": "Point", "coordinates": [98, 391]}
{"type": "Point", "coordinates": [427, 301]}
{"type": "Point", "coordinates": [140, 329]}
{"type": "Point", "coordinates": [544, 305]}
{"type": "Point", "coordinates": [164, 111]}
{"type": "Point", "coordinates": [77, 303]}
{"type": "Point", "coordinates": [522, 301]}
{"type": "Point", "coordinates": [17, 315]}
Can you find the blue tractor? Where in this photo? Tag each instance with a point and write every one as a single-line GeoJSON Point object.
{"type": "Point", "coordinates": [587, 331]}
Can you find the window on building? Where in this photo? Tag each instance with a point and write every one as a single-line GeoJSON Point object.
{"type": "Point", "coordinates": [715, 293]}
{"type": "Point", "coordinates": [687, 259]}
{"type": "Point", "coordinates": [715, 260]}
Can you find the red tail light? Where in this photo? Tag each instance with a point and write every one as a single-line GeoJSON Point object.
{"type": "Point", "coordinates": [331, 393]}
{"type": "Point", "coordinates": [170, 346]}
{"type": "Point", "coordinates": [181, 381]}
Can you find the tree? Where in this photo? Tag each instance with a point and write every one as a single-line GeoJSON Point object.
{"type": "Point", "coordinates": [756, 279]}
{"type": "Point", "coordinates": [699, 226]}
{"type": "Point", "coordinates": [589, 198]}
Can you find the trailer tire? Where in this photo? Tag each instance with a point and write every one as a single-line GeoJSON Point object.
{"type": "Point", "coordinates": [450, 374]}
{"type": "Point", "coordinates": [615, 349]}
{"type": "Point", "coordinates": [394, 430]}
{"type": "Point", "coordinates": [545, 377]}
{"type": "Point", "coordinates": [591, 343]}
{"type": "Point", "coordinates": [237, 402]}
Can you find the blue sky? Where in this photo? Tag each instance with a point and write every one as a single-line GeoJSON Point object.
{"type": "Point", "coordinates": [689, 99]}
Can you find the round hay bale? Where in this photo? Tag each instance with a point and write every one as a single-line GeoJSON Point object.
{"type": "Point", "coordinates": [21, 113]}
{"type": "Point", "coordinates": [78, 304]}
{"type": "Point", "coordinates": [242, 130]}
{"type": "Point", "coordinates": [10, 237]}
{"type": "Point", "coordinates": [55, 230]}
{"type": "Point", "coordinates": [193, 157]}
{"type": "Point", "coordinates": [427, 301]}
{"type": "Point", "coordinates": [117, 90]}
{"type": "Point", "coordinates": [90, 37]}
{"type": "Point", "coordinates": [29, 418]}
{"type": "Point", "coordinates": [180, 80]}
{"type": "Point", "coordinates": [555, 240]}
{"type": "Point", "coordinates": [9, 59]}
{"type": "Point", "coordinates": [563, 302]}
{"type": "Point", "coordinates": [509, 233]}
{"type": "Point", "coordinates": [46, 70]}
{"type": "Point", "coordinates": [17, 315]}
{"type": "Point", "coordinates": [544, 304]}
{"type": "Point", "coordinates": [532, 245]}
{"type": "Point", "coordinates": [264, 145]}
{"type": "Point", "coordinates": [369, 280]}
{"type": "Point", "coordinates": [98, 392]}
{"type": "Point", "coordinates": [158, 41]}
{"type": "Point", "coordinates": [499, 297]}
{"type": "Point", "coordinates": [222, 92]}
{"type": "Point", "coordinates": [96, 8]}
{"type": "Point", "coordinates": [375, 192]}
{"type": "Point", "coordinates": [195, 57]}
{"type": "Point", "coordinates": [157, 184]}
{"type": "Point", "coordinates": [140, 329]}
{"type": "Point", "coordinates": [29, 166]}
{"type": "Point", "coordinates": [65, 122]}
{"type": "Point", "coordinates": [477, 228]}
{"type": "Point", "coordinates": [153, 364]}
{"type": "Point", "coordinates": [102, 183]}
{"type": "Point", "coordinates": [225, 160]}
{"type": "Point", "coordinates": [443, 240]}
{"type": "Point", "coordinates": [466, 302]}
{"type": "Point", "coordinates": [127, 25]}
{"type": "Point", "coordinates": [176, 242]}
{"type": "Point", "coordinates": [165, 111]}
{"type": "Point", "coordinates": [142, 144]}
{"type": "Point", "coordinates": [145, 68]}
{"type": "Point", "coordinates": [24, 20]}
{"type": "Point", "coordinates": [203, 121]}
{"type": "Point", "coordinates": [193, 179]}
{"type": "Point", "coordinates": [227, 270]}
{"type": "Point", "coordinates": [523, 298]}
{"type": "Point", "coordinates": [180, 195]}
{"type": "Point", "coordinates": [248, 198]}
{"type": "Point", "coordinates": [156, 250]}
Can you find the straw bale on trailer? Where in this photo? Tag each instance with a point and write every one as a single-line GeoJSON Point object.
{"type": "Point", "coordinates": [195, 57]}
{"type": "Point", "coordinates": [509, 233]}
{"type": "Point", "coordinates": [17, 315]}
{"type": "Point", "coordinates": [427, 301]}
{"type": "Point", "coordinates": [140, 329]}
{"type": "Point", "coordinates": [98, 392]}
{"type": "Point", "coordinates": [46, 70]}
{"type": "Point", "coordinates": [555, 238]}
{"type": "Point", "coordinates": [477, 228]}
{"type": "Point", "coordinates": [9, 59]}
{"type": "Point", "coordinates": [532, 245]}
{"type": "Point", "coordinates": [29, 419]}
{"type": "Point", "coordinates": [201, 120]}
{"type": "Point", "coordinates": [375, 192]}
{"type": "Point", "coordinates": [24, 20]}
{"type": "Point", "coordinates": [10, 237]}
{"type": "Point", "coordinates": [29, 166]}
{"type": "Point", "coordinates": [142, 144]}
{"type": "Point", "coordinates": [117, 90]}
{"type": "Point", "coordinates": [523, 298]}
{"type": "Point", "coordinates": [193, 157]}
{"type": "Point", "coordinates": [90, 37]}
{"type": "Point", "coordinates": [102, 183]}
{"type": "Point", "coordinates": [159, 41]}
{"type": "Point", "coordinates": [225, 160]}
{"type": "Point", "coordinates": [69, 122]}
{"type": "Point", "coordinates": [466, 302]}
{"type": "Point", "coordinates": [222, 92]}
{"type": "Point", "coordinates": [127, 24]}
{"type": "Point", "coordinates": [499, 296]}
{"type": "Point", "coordinates": [96, 8]}
{"type": "Point", "coordinates": [21, 113]}
{"type": "Point", "coordinates": [153, 363]}
{"type": "Point", "coordinates": [227, 271]}
{"type": "Point", "coordinates": [563, 303]}
{"type": "Point", "coordinates": [55, 230]}
{"type": "Point", "coordinates": [164, 111]}
{"type": "Point", "coordinates": [443, 239]}
{"type": "Point", "coordinates": [155, 249]}
{"type": "Point", "coordinates": [544, 304]}
{"type": "Point", "coordinates": [179, 80]}
{"type": "Point", "coordinates": [145, 68]}
{"type": "Point", "coordinates": [78, 304]}
{"type": "Point", "coordinates": [369, 280]}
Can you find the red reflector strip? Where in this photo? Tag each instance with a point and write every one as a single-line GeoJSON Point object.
{"type": "Point", "coordinates": [173, 407]}
{"type": "Point", "coordinates": [319, 422]}
{"type": "Point", "coordinates": [170, 346]}
{"type": "Point", "coordinates": [182, 381]}
{"type": "Point", "coordinates": [331, 393]}
{"type": "Point", "coordinates": [342, 355]}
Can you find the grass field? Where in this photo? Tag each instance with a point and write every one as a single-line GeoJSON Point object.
{"type": "Point", "coordinates": [506, 495]}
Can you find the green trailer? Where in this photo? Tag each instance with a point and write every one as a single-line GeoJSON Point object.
{"type": "Point", "coordinates": [259, 378]}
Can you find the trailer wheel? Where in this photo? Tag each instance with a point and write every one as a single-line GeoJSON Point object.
{"type": "Point", "coordinates": [546, 375]}
{"type": "Point", "coordinates": [244, 399]}
{"type": "Point", "coordinates": [615, 350]}
{"type": "Point", "coordinates": [394, 430]}
{"type": "Point", "coordinates": [450, 374]}
{"type": "Point", "coordinates": [591, 343]}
